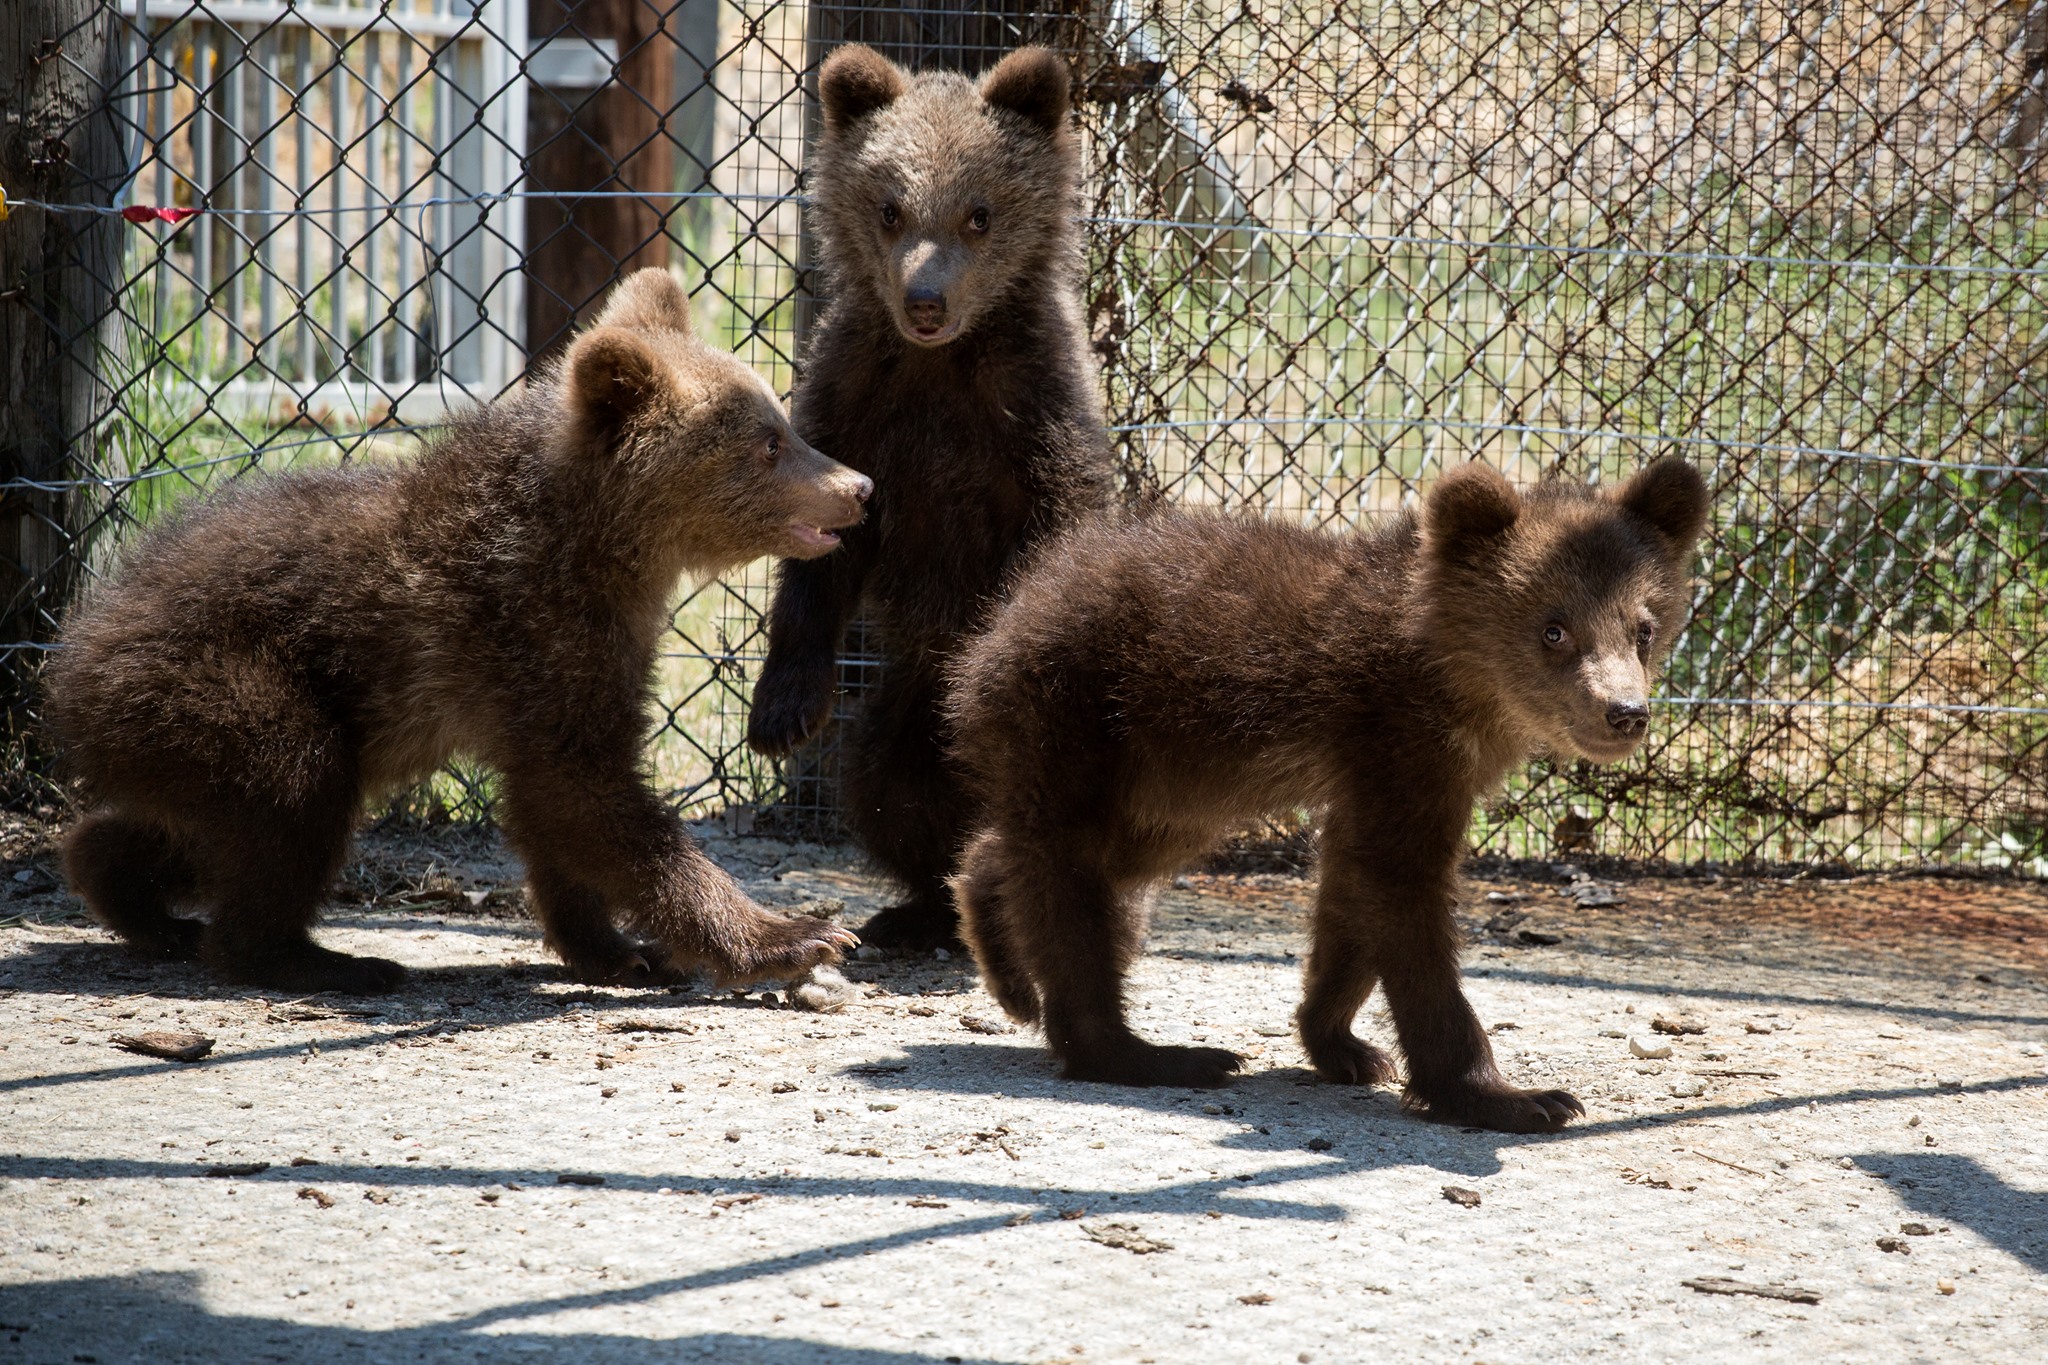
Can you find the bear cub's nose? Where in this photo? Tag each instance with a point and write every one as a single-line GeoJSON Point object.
{"type": "Point", "coordinates": [863, 487]}
{"type": "Point", "coordinates": [1629, 718]}
{"type": "Point", "coordinates": [926, 309]}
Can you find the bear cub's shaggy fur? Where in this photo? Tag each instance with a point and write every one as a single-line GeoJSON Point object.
{"type": "Point", "coordinates": [1150, 686]}
{"type": "Point", "coordinates": [953, 365]}
{"type": "Point", "coordinates": [271, 658]}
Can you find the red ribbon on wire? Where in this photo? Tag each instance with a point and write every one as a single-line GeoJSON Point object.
{"type": "Point", "coordinates": [143, 213]}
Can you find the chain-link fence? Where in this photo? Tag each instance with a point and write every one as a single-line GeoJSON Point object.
{"type": "Point", "coordinates": [1332, 250]}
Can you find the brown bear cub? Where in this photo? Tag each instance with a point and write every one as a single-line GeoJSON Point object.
{"type": "Point", "coordinates": [1150, 686]}
{"type": "Point", "coordinates": [953, 365]}
{"type": "Point", "coordinates": [267, 661]}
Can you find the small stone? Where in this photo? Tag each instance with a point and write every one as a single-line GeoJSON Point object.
{"type": "Point", "coordinates": [1916, 1229]}
{"type": "Point", "coordinates": [1913, 1122]}
{"type": "Point", "coordinates": [921, 1011]}
{"type": "Point", "coordinates": [319, 1197]}
{"type": "Point", "coordinates": [941, 955]}
{"type": "Point", "coordinates": [1271, 1030]}
{"type": "Point", "coordinates": [1898, 1244]}
{"type": "Point", "coordinates": [1676, 1027]}
{"type": "Point", "coordinates": [976, 1024]}
{"type": "Point", "coordinates": [1647, 1050]}
{"type": "Point", "coordinates": [1319, 1143]}
{"type": "Point", "coordinates": [867, 953]}
{"type": "Point", "coordinates": [732, 1135]}
{"type": "Point", "coordinates": [1256, 1299]}
{"type": "Point", "coordinates": [1539, 938]}
{"type": "Point", "coordinates": [1688, 1090]}
{"type": "Point", "coordinates": [782, 1088]}
{"type": "Point", "coordinates": [1751, 1026]}
{"type": "Point", "coordinates": [1944, 1286]}
{"type": "Point", "coordinates": [608, 1092]}
{"type": "Point", "coordinates": [1462, 1197]}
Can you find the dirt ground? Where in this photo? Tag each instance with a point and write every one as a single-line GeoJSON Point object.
{"type": "Point", "coordinates": [498, 1163]}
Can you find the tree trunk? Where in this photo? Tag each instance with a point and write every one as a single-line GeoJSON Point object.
{"type": "Point", "coordinates": [614, 137]}
{"type": "Point", "coordinates": [60, 339]}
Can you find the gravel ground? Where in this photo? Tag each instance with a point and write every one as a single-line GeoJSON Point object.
{"type": "Point", "coordinates": [497, 1163]}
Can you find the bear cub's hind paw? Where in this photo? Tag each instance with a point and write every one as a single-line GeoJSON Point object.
{"type": "Point", "coordinates": [1348, 1060]}
{"type": "Point", "coordinates": [915, 927]}
{"type": "Point", "coordinates": [1499, 1106]}
{"type": "Point", "coordinates": [313, 969]}
{"type": "Point", "coordinates": [1136, 1062]}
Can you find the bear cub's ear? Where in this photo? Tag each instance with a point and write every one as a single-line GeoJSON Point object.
{"type": "Point", "coordinates": [1672, 497]}
{"type": "Point", "coordinates": [651, 299]}
{"type": "Point", "coordinates": [854, 82]}
{"type": "Point", "coordinates": [1033, 82]}
{"type": "Point", "coordinates": [1469, 506]}
{"type": "Point", "coordinates": [613, 375]}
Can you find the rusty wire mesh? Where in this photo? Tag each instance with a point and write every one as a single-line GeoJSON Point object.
{"type": "Point", "coordinates": [1332, 250]}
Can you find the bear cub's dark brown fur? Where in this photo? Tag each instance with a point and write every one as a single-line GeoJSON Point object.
{"type": "Point", "coordinates": [1150, 686]}
{"type": "Point", "coordinates": [271, 658]}
{"type": "Point", "coordinates": [953, 365]}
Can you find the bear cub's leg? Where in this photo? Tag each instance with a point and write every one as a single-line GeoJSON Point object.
{"type": "Point", "coordinates": [131, 872]}
{"type": "Point", "coordinates": [1077, 934]}
{"type": "Point", "coordinates": [908, 808]}
{"type": "Point", "coordinates": [1388, 921]}
{"type": "Point", "coordinates": [266, 867]}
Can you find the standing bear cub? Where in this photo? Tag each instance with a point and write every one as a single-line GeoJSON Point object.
{"type": "Point", "coordinates": [1150, 686]}
{"type": "Point", "coordinates": [953, 366]}
{"type": "Point", "coordinates": [270, 659]}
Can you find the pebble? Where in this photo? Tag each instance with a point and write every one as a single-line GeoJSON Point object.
{"type": "Point", "coordinates": [1648, 1049]}
{"type": "Point", "coordinates": [868, 953]}
{"type": "Point", "coordinates": [1688, 1090]}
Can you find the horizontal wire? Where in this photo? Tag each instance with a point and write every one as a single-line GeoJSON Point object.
{"type": "Point", "coordinates": [1588, 433]}
{"type": "Point", "coordinates": [397, 207]}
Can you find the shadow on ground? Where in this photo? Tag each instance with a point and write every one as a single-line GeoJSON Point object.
{"type": "Point", "coordinates": [159, 1317]}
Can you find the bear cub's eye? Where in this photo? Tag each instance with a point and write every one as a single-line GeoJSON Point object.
{"type": "Point", "coordinates": [891, 215]}
{"type": "Point", "coordinates": [1553, 635]}
{"type": "Point", "coordinates": [978, 222]}
{"type": "Point", "coordinates": [772, 447]}
{"type": "Point", "coordinates": [1646, 635]}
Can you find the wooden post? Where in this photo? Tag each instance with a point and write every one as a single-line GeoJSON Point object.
{"type": "Point", "coordinates": [60, 338]}
{"type": "Point", "coordinates": [610, 137]}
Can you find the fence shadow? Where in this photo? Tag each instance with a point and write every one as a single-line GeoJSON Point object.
{"type": "Point", "coordinates": [1958, 1189]}
{"type": "Point", "coordinates": [161, 1317]}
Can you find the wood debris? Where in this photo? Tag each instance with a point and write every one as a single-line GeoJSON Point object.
{"type": "Point", "coordinates": [174, 1047]}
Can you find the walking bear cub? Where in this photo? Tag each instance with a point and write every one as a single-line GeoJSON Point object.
{"type": "Point", "coordinates": [952, 365]}
{"type": "Point", "coordinates": [268, 660]}
{"type": "Point", "coordinates": [1151, 685]}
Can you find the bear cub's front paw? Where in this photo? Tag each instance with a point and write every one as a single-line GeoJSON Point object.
{"type": "Point", "coordinates": [790, 705]}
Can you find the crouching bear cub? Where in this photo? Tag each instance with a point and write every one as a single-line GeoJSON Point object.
{"type": "Point", "coordinates": [268, 660]}
{"type": "Point", "coordinates": [1151, 685]}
